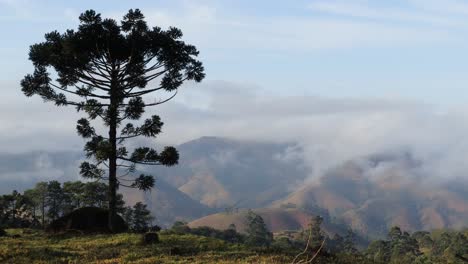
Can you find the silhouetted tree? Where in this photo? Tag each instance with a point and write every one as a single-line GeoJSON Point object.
{"type": "Point", "coordinates": [8, 207]}
{"type": "Point", "coordinates": [141, 217]}
{"type": "Point", "coordinates": [127, 215]}
{"type": "Point", "coordinates": [73, 193]}
{"type": "Point", "coordinates": [95, 194]}
{"type": "Point", "coordinates": [54, 199]}
{"type": "Point", "coordinates": [39, 196]}
{"type": "Point", "coordinates": [32, 202]}
{"type": "Point", "coordinates": [231, 234]}
{"type": "Point", "coordinates": [104, 68]}
{"type": "Point", "coordinates": [16, 210]}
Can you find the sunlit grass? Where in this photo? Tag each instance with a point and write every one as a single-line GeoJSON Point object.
{"type": "Point", "coordinates": [32, 246]}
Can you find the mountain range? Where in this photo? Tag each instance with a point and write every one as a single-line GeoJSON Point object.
{"type": "Point", "coordinates": [218, 180]}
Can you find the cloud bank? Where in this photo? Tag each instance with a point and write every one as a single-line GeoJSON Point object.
{"type": "Point", "coordinates": [330, 130]}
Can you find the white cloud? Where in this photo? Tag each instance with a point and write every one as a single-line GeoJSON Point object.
{"type": "Point", "coordinates": [329, 130]}
{"type": "Point", "coordinates": [215, 29]}
{"type": "Point", "coordinates": [446, 7]}
{"type": "Point", "coordinates": [364, 9]}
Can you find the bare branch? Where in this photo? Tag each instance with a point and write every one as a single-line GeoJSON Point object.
{"type": "Point", "coordinates": [140, 162]}
{"type": "Point", "coordinates": [164, 101]}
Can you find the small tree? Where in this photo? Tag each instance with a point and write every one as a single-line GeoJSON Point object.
{"type": "Point", "coordinates": [231, 234]}
{"type": "Point", "coordinates": [127, 215]}
{"type": "Point", "coordinates": [313, 234]}
{"type": "Point", "coordinates": [180, 227]}
{"type": "Point", "coordinates": [40, 197]}
{"type": "Point", "coordinates": [9, 208]}
{"type": "Point", "coordinates": [54, 199]}
{"type": "Point", "coordinates": [95, 194]}
{"type": "Point", "coordinates": [73, 195]}
{"type": "Point", "coordinates": [104, 68]}
{"type": "Point", "coordinates": [33, 204]}
{"type": "Point", "coordinates": [141, 217]}
{"type": "Point", "coordinates": [257, 231]}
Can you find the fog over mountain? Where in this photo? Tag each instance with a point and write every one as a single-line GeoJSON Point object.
{"type": "Point", "coordinates": [270, 147]}
{"type": "Point", "coordinates": [219, 175]}
{"type": "Point", "coordinates": [329, 130]}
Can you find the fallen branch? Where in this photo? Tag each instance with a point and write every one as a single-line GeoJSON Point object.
{"type": "Point", "coordinates": [305, 251]}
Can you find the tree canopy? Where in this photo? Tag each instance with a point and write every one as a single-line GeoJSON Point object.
{"type": "Point", "coordinates": [108, 70]}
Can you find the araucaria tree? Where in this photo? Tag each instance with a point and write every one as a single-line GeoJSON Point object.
{"type": "Point", "coordinates": [108, 70]}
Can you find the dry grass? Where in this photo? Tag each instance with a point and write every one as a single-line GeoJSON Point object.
{"type": "Point", "coordinates": [36, 247]}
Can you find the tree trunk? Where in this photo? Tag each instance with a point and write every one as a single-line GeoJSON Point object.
{"type": "Point", "coordinates": [43, 211]}
{"type": "Point", "coordinates": [113, 115]}
{"type": "Point", "coordinates": [112, 177]}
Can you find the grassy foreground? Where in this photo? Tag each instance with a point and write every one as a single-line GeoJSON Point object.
{"type": "Point", "coordinates": [31, 246]}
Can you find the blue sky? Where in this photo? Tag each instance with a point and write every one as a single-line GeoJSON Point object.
{"type": "Point", "coordinates": [346, 77]}
{"type": "Point", "coordinates": [409, 49]}
{"type": "Point", "coordinates": [342, 78]}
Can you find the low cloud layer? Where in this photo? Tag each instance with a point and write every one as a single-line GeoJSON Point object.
{"type": "Point", "coordinates": [330, 130]}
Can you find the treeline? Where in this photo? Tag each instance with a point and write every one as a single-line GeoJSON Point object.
{"type": "Point", "coordinates": [442, 246]}
{"type": "Point", "coordinates": [47, 201]}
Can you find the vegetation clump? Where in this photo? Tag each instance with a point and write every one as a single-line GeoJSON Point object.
{"type": "Point", "coordinates": [87, 219]}
{"type": "Point", "coordinates": [150, 238]}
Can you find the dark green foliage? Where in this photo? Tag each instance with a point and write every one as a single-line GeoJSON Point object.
{"type": "Point", "coordinates": [127, 215]}
{"type": "Point", "coordinates": [336, 244]}
{"type": "Point", "coordinates": [379, 251]}
{"type": "Point", "coordinates": [30, 246]}
{"type": "Point", "coordinates": [257, 231]}
{"type": "Point", "coordinates": [283, 244]}
{"type": "Point", "coordinates": [180, 227]}
{"type": "Point", "coordinates": [313, 235]}
{"type": "Point", "coordinates": [150, 238]}
{"type": "Point", "coordinates": [138, 217]}
{"type": "Point", "coordinates": [49, 201]}
{"type": "Point", "coordinates": [106, 68]}
{"type": "Point", "coordinates": [438, 247]}
{"type": "Point", "coordinates": [423, 238]}
{"type": "Point", "coordinates": [450, 246]}
{"type": "Point", "coordinates": [54, 199]}
{"type": "Point", "coordinates": [39, 198]}
{"type": "Point", "coordinates": [73, 195]}
{"type": "Point", "coordinates": [349, 242]}
{"type": "Point", "coordinates": [229, 235]}
{"type": "Point", "coordinates": [16, 211]}
{"type": "Point", "coordinates": [86, 219]}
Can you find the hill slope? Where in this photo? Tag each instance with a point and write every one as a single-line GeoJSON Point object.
{"type": "Point", "coordinates": [168, 204]}
{"type": "Point", "coordinates": [276, 219]}
{"type": "Point", "coordinates": [373, 194]}
{"type": "Point", "coordinates": [221, 172]}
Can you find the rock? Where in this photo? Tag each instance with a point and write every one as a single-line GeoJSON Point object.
{"type": "Point", "coordinates": [155, 228]}
{"type": "Point", "coordinates": [150, 238]}
{"type": "Point", "coordinates": [86, 220]}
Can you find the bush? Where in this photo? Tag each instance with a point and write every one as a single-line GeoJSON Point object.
{"type": "Point", "coordinates": [150, 238]}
